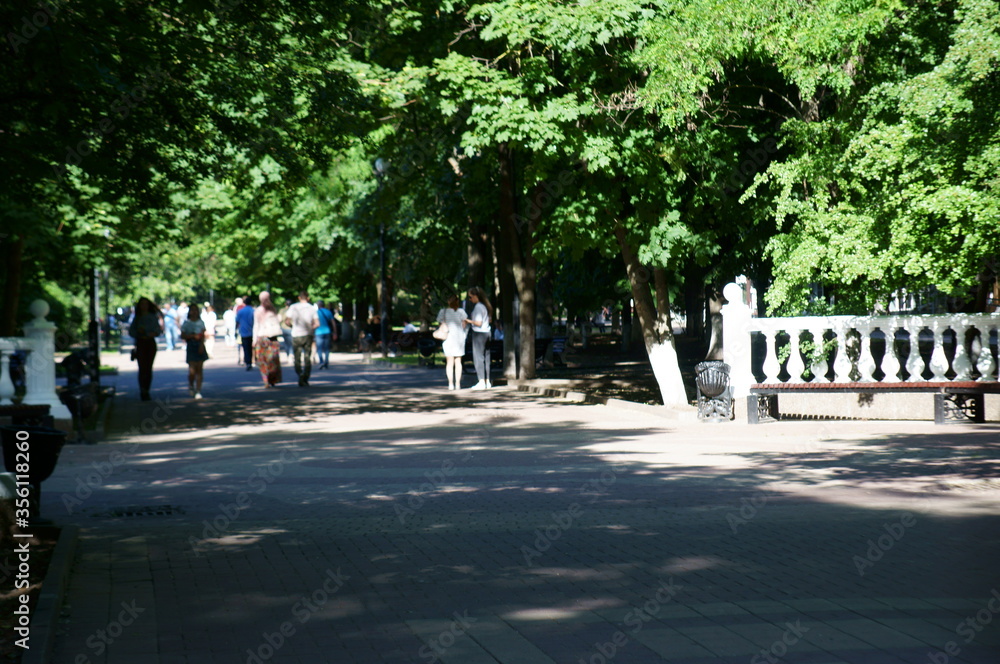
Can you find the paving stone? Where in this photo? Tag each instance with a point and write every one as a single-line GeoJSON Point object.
{"type": "Point", "coordinates": [405, 504]}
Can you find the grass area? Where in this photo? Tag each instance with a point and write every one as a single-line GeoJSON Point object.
{"type": "Point", "coordinates": [409, 360]}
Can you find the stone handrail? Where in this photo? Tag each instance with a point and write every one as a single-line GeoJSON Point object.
{"type": "Point", "coordinates": [845, 354]}
{"type": "Point", "coordinates": [40, 369]}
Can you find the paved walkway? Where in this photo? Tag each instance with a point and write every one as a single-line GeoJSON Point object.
{"type": "Point", "coordinates": [377, 517]}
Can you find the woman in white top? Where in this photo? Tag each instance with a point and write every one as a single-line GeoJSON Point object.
{"type": "Point", "coordinates": [482, 312]}
{"type": "Point", "coordinates": [266, 335]}
{"type": "Point", "coordinates": [453, 317]}
{"type": "Point", "coordinates": [209, 318]}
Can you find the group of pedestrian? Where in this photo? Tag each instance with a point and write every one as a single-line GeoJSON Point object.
{"type": "Point", "coordinates": [460, 325]}
{"type": "Point", "coordinates": [149, 322]}
{"type": "Point", "coordinates": [261, 334]}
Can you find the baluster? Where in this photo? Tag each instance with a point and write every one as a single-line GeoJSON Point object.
{"type": "Point", "coordinates": [771, 365]}
{"type": "Point", "coordinates": [6, 385]}
{"type": "Point", "coordinates": [818, 364]}
{"type": "Point", "coordinates": [796, 367]}
{"type": "Point", "coordinates": [866, 363]}
{"type": "Point", "coordinates": [939, 361]}
{"type": "Point", "coordinates": [961, 363]}
{"type": "Point", "coordinates": [890, 361]}
{"type": "Point", "coordinates": [842, 364]}
{"type": "Point", "coordinates": [985, 363]}
{"type": "Point", "coordinates": [914, 362]}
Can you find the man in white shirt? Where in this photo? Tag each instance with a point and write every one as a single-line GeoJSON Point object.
{"type": "Point", "coordinates": [303, 320]}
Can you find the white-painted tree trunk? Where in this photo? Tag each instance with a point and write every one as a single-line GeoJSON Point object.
{"type": "Point", "coordinates": [667, 371]}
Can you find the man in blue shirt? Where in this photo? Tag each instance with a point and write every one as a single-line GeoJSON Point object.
{"type": "Point", "coordinates": [171, 328]}
{"type": "Point", "coordinates": [244, 326]}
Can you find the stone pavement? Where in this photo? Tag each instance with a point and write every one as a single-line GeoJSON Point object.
{"type": "Point", "coordinates": [377, 517]}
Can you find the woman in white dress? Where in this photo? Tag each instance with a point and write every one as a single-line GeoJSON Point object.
{"type": "Point", "coordinates": [453, 317]}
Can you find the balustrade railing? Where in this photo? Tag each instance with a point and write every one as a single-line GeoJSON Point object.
{"type": "Point", "coordinates": [40, 367]}
{"type": "Point", "coordinates": [857, 349]}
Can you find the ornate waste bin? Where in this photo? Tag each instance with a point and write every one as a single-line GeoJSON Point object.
{"type": "Point", "coordinates": [714, 400]}
{"type": "Point", "coordinates": [43, 448]}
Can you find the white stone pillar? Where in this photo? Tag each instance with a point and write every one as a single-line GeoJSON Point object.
{"type": "Point", "coordinates": [6, 385]}
{"type": "Point", "coordinates": [40, 371]}
{"type": "Point", "coordinates": [736, 341]}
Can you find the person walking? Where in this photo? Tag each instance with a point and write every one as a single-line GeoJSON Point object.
{"type": "Point", "coordinates": [209, 317]}
{"type": "Point", "coordinates": [244, 326]}
{"type": "Point", "coordinates": [229, 326]}
{"type": "Point", "coordinates": [171, 326]}
{"type": "Point", "coordinates": [266, 340]}
{"type": "Point", "coordinates": [147, 324]}
{"type": "Point", "coordinates": [194, 332]}
{"type": "Point", "coordinates": [302, 318]}
{"type": "Point", "coordinates": [324, 335]}
{"type": "Point", "coordinates": [453, 347]}
{"type": "Point", "coordinates": [479, 321]}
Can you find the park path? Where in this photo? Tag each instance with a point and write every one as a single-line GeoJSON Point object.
{"type": "Point", "coordinates": [377, 517]}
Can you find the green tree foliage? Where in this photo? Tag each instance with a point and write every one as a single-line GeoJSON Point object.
{"type": "Point", "coordinates": [887, 125]}
{"type": "Point", "coordinates": [114, 109]}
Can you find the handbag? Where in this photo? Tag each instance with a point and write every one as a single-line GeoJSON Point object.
{"type": "Point", "coordinates": [441, 333]}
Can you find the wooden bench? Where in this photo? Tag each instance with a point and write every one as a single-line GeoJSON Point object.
{"type": "Point", "coordinates": [954, 401]}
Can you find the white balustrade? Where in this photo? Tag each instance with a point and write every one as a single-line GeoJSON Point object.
{"type": "Point", "coordinates": [961, 364]}
{"type": "Point", "coordinates": [890, 361]}
{"type": "Point", "coordinates": [970, 361]}
{"type": "Point", "coordinates": [939, 361]}
{"type": "Point", "coordinates": [914, 362]}
{"type": "Point", "coordinates": [985, 364]}
{"type": "Point", "coordinates": [40, 367]}
{"type": "Point", "coordinates": [842, 364]}
{"type": "Point", "coordinates": [866, 363]}
{"type": "Point", "coordinates": [818, 365]}
{"type": "Point", "coordinates": [795, 367]}
{"type": "Point", "coordinates": [771, 365]}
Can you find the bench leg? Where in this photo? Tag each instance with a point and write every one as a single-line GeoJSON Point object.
{"type": "Point", "coordinates": [762, 408]}
{"type": "Point", "coordinates": [958, 408]}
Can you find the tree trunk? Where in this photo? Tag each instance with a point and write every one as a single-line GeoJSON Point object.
{"type": "Point", "coordinates": [657, 334]}
{"type": "Point", "coordinates": [715, 350]}
{"type": "Point", "coordinates": [426, 312]}
{"type": "Point", "coordinates": [694, 300]}
{"type": "Point", "coordinates": [507, 211]}
{"type": "Point", "coordinates": [477, 254]}
{"type": "Point", "coordinates": [546, 304]}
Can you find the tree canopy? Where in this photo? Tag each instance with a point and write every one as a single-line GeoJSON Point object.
{"type": "Point", "coordinates": [193, 145]}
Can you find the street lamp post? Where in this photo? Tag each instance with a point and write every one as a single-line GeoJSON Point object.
{"type": "Point", "coordinates": [380, 170]}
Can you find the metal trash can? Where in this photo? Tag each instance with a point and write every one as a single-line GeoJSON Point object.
{"type": "Point", "coordinates": [44, 446]}
{"type": "Point", "coordinates": [714, 400]}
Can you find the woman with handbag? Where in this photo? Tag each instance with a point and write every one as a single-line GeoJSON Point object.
{"type": "Point", "coordinates": [267, 340]}
{"type": "Point", "coordinates": [452, 334]}
{"type": "Point", "coordinates": [193, 331]}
